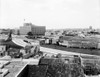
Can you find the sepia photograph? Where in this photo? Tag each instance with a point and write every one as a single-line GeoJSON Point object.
{"type": "Point", "coordinates": [49, 38]}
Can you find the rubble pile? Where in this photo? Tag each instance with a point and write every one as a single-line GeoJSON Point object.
{"type": "Point", "coordinates": [58, 67]}
{"type": "Point", "coordinates": [37, 70]}
{"type": "Point", "coordinates": [65, 67]}
{"type": "Point", "coordinates": [91, 67]}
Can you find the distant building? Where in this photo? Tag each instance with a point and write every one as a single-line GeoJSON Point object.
{"type": "Point", "coordinates": [15, 31]}
{"type": "Point", "coordinates": [0, 31]}
{"type": "Point", "coordinates": [5, 31]}
{"type": "Point", "coordinates": [2, 48]}
{"type": "Point", "coordinates": [90, 27]}
{"type": "Point", "coordinates": [29, 27]}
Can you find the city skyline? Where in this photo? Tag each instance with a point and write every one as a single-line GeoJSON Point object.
{"type": "Point", "coordinates": [54, 14]}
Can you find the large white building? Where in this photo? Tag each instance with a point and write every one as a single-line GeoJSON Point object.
{"type": "Point", "coordinates": [29, 27]}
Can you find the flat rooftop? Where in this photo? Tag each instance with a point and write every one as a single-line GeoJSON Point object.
{"type": "Point", "coordinates": [15, 67]}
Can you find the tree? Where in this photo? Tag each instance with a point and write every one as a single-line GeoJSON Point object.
{"type": "Point", "coordinates": [29, 34]}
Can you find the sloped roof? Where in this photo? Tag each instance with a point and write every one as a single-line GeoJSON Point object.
{"type": "Point", "coordinates": [15, 42]}
{"type": "Point", "coordinates": [19, 42]}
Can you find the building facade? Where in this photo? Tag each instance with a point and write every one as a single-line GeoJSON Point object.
{"type": "Point", "coordinates": [29, 27]}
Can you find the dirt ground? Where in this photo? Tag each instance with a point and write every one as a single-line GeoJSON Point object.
{"type": "Point", "coordinates": [78, 50]}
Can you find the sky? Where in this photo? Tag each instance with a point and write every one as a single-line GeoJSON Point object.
{"type": "Point", "coordinates": [54, 14]}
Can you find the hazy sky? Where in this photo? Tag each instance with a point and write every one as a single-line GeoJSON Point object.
{"type": "Point", "coordinates": [54, 14]}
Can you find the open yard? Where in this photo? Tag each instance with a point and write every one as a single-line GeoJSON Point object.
{"type": "Point", "coordinates": [78, 50]}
